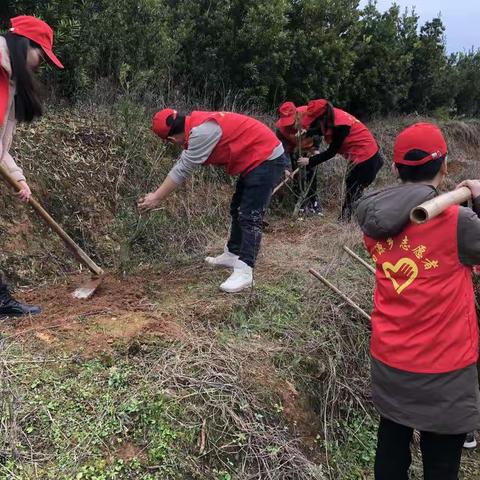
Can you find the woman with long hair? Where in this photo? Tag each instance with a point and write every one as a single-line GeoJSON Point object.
{"type": "Point", "coordinates": [22, 50]}
{"type": "Point", "coordinates": [346, 136]}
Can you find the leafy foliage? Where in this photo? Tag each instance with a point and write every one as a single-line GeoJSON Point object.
{"type": "Point", "coordinates": [259, 52]}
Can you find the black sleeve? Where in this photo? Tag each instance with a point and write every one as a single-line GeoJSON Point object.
{"type": "Point", "coordinates": [340, 133]}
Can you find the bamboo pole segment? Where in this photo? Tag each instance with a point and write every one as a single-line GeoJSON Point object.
{"type": "Point", "coordinates": [298, 136]}
{"type": "Point", "coordinates": [340, 294]}
{"type": "Point", "coordinates": [431, 208]}
{"type": "Point", "coordinates": [360, 260]}
{"type": "Point", "coordinates": [79, 253]}
{"type": "Point", "coordinates": [298, 128]}
{"type": "Point", "coordinates": [290, 177]}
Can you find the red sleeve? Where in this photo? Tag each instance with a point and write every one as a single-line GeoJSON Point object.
{"type": "Point", "coordinates": [4, 94]}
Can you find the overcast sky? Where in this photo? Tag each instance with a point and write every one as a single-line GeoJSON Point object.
{"type": "Point", "coordinates": [461, 17]}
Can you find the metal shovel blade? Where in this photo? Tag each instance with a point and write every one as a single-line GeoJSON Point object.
{"type": "Point", "coordinates": [88, 289]}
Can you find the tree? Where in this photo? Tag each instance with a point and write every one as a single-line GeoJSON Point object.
{"type": "Point", "coordinates": [379, 81]}
{"type": "Point", "coordinates": [467, 67]}
{"type": "Point", "coordinates": [321, 37]}
{"type": "Point", "coordinates": [431, 71]}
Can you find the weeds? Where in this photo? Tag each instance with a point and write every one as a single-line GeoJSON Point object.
{"type": "Point", "coordinates": [273, 385]}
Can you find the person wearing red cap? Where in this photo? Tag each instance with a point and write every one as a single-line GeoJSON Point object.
{"type": "Point", "coordinates": [348, 137]}
{"type": "Point", "coordinates": [287, 134]}
{"type": "Point", "coordinates": [424, 345]}
{"type": "Point", "coordinates": [28, 42]}
{"type": "Point", "coordinates": [245, 147]}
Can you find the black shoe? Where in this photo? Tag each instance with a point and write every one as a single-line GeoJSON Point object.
{"type": "Point", "coordinates": [11, 308]}
{"type": "Point", "coordinates": [314, 209]}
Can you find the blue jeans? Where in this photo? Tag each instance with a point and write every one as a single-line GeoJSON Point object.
{"type": "Point", "coordinates": [249, 204]}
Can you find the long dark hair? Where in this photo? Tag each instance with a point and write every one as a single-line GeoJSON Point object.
{"type": "Point", "coordinates": [28, 90]}
{"type": "Point", "coordinates": [323, 123]}
{"type": "Point", "coordinates": [329, 117]}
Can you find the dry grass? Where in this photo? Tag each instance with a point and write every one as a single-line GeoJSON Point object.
{"type": "Point", "coordinates": [271, 385]}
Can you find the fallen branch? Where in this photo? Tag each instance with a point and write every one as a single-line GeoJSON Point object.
{"type": "Point", "coordinates": [202, 439]}
{"type": "Point", "coordinates": [339, 293]}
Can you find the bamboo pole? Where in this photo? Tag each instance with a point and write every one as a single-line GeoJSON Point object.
{"type": "Point", "coordinates": [431, 208]}
{"type": "Point", "coordinates": [340, 294]}
{"type": "Point", "coordinates": [361, 260]}
{"type": "Point", "coordinates": [290, 177]}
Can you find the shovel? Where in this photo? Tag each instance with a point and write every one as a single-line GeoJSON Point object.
{"type": "Point", "coordinates": [84, 291]}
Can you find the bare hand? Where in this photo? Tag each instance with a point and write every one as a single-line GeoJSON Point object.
{"type": "Point", "coordinates": [300, 133]}
{"type": "Point", "coordinates": [473, 185]}
{"type": "Point", "coordinates": [288, 173]}
{"type": "Point", "coordinates": [303, 161]}
{"type": "Point", "coordinates": [148, 203]}
{"type": "Point", "coordinates": [25, 193]}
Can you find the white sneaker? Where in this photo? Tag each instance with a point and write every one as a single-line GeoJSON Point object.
{"type": "Point", "coordinates": [240, 279]}
{"type": "Point", "coordinates": [470, 441]}
{"type": "Point", "coordinates": [226, 259]}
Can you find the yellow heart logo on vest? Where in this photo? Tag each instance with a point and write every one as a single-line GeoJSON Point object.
{"type": "Point", "coordinates": [402, 274]}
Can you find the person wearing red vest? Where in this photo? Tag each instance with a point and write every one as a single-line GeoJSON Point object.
{"type": "Point", "coordinates": [245, 147]}
{"type": "Point", "coordinates": [424, 344]}
{"type": "Point", "coordinates": [348, 137]}
{"type": "Point", "coordinates": [287, 134]}
{"type": "Point", "coordinates": [22, 49]}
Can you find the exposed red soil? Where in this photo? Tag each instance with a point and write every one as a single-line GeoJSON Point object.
{"type": "Point", "coordinates": [118, 312]}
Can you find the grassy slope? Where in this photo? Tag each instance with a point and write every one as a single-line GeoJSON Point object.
{"type": "Point", "coordinates": [160, 375]}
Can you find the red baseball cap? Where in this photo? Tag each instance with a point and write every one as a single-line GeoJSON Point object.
{"type": "Point", "coordinates": [37, 30]}
{"type": "Point", "coordinates": [159, 122]}
{"type": "Point", "coordinates": [315, 109]}
{"type": "Point", "coordinates": [420, 136]}
{"type": "Point", "coordinates": [287, 114]}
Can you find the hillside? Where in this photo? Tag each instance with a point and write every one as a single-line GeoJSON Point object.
{"type": "Point", "coordinates": [160, 375]}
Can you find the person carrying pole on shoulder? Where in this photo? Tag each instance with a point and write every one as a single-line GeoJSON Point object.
{"type": "Point", "coordinates": [424, 345]}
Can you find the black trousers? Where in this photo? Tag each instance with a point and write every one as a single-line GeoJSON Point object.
{"type": "Point", "coordinates": [441, 454]}
{"type": "Point", "coordinates": [250, 201]}
{"type": "Point", "coordinates": [4, 294]}
{"type": "Point", "coordinates": [359, 177]}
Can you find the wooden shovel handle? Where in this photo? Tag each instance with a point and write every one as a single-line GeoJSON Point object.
{"type": "Point", "coordinates": [80, 254]}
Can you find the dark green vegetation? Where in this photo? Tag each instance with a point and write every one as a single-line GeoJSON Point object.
{"type": "Point", "coordinates": [239, 53]}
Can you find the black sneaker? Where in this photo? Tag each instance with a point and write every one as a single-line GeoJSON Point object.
{"type": "Point", "coordinates": [313, 208]}
{"type": "Point", "coordinates": [11, 308]}
{"type": "Point", "coordinates": [470, 441]}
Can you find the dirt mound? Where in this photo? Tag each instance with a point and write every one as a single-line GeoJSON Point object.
{"type": "Point", "coordinates": [116, 314]}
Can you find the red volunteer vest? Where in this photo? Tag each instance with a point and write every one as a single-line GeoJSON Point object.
{"type": "Point", "coordinates": [245, 142]}
{"type": "Point", "coordinates": [289, 133]}
{"type": "Point", "coordinates": [424, 318]}
{"type": "Point", "coordinates": [360, 145]}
